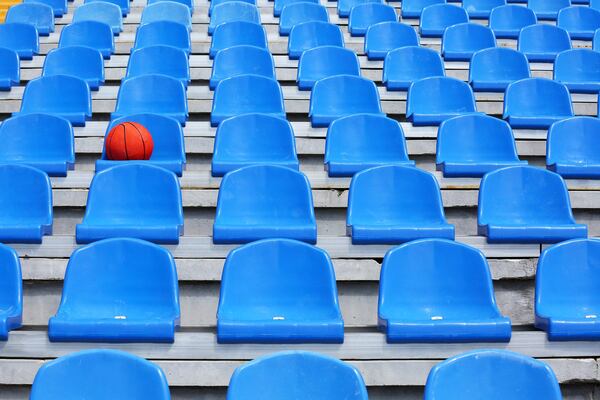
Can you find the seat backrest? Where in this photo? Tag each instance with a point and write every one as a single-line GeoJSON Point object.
{"type": "Point", "coordinates": [413, 8]}
{"type": "Point", "coordinates": [573, 140]}
{"type": "Point", "coordinates": [237, 33]}
{"type": "Point", "coordinates": [233, 11]}
{"type": "Point", "coordinates": [11, 284]}
{"type": "Point", "coordinates": [122, 4]}
{"type": "Point", "coordinates": [296, 13]}
{"type": "Point", "coordinates": [498, 64]}
{"type": "Point", "coordinates": [163, 33]}
{"type": "Point", "coordinates": [37, 14]}
{"type": "Point", "coordinates": [344, 6]}
{"type": "Point", "coordinates": [94, 34]}
{"type": "Point", "coordinates": [100, 11]}
{"type": "Point", "coordinates": [467, 37]}
{"type": "Point", "coordinates": [344, 94]}
{"type": "Point", "coordinates": [219, 2]}
{"type": "Point", "coordinates": [20, 37]}
{"type": "Point", "coordinates": [386, 36]}
{"type": "Point", "coordinates": [579, 18]}
{"type": "Point", "coordinates": [308, 35]}
{"type": "Point", "coordinates": [79, 61]}
{"type": "Point", "coordinates": [26, 194]}
{"type": "Point", "coordinates": [362, 16]}
{"type": "Point", "coordinates": [545, 8]}
{"type": "Point", "coordinates": [541, 38]}
{"type": "Point", "coordinates": [9, 65]}
{"type": "Point", "coordinates": [106, 373]}
{"type": "Point", "coordinates": [412, 63]}
{"type": "Point", "coordinates": [241, 60]}
{"type": "Point", "coordinates": [59, 7]}
{"type": "Point", "coordinates": [276, 376]}
{"type": "Point", "coordinates": [167, 10]}
{"type": "Point", "coordinates": [493, 375]}
{"type": "Point", "coordinates": [440, 95]}
{"type": "Point", "coordinates": [479, 7]}
{"type": "Point", "coordinates": [279, 5]}
{"type": "Point", "coordinates": [577, 65]}
{"type": "Point", "coordinates": [151, 93]}
{"type": "Point", "coordinates": [511, 17]}
{"type": "Point", "coordinates": [537, 97]}
{"type": "Point", "coordinates": [188, 3]}
{"type": "Point", "coordinates": [437, 17]}
{"type": "Point", "coordinates": [57, 94]}
{"type": "Point", "coordinates": [248, 93]}
{"type": "Point", "coordinates": [160, 59]}
{"type": "Point", "coordinates": [324, 61]}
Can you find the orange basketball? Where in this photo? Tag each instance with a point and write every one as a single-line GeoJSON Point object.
{"type": "Point", "coordinates": [129, 141]}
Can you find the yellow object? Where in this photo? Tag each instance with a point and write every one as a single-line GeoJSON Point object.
{"type": "Point", "coordinates": [4, 6]}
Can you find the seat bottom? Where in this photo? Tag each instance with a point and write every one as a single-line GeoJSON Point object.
{"type": "Point", "coordinates": [166, 234]}
{"type": "Point", "coordinates": [365, 234]}
{"type": "Point", "coordinates": [234, 234]}
{"type": "Point", "coordinates": [532, 233]}
{"type": "Point", "coordinates": [289, 331]}
{"type": "Point", "coordinates": [532, 122]}
{"type": "Point", "coordinates": [562, 329]}
{"type": "Point", "coordinates": [474, 169]}
{"type": "Point", "coordinates": [349, 168]}
{"type": "Point", "coordinates": [23, 233]}
{"type": "Point", "coordinates": [584, 171]}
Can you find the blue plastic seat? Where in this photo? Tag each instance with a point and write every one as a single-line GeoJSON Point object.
{"type": "Point", "coordinates": [37, 14]}
{"type": "Point", "coordinates": [475, 144]}
{"type": "Point", "coordinates": [161, 60]}
{"type": "Point", "coordinates": [384, 37]}
{"type": "Point", "coordinates": [324, 61]}
{"type": "Point", "coordinates": [264, 201]}
{"type": "Point", "coordinates": [167, 135]}
{"type": "Point", "coordinates": [188, 3]}
{"type": "Point", "coordinates": [253, 139]}
{"type": "Point", "coordinates": [308, 35]}
{"type": "Point", "coordinates": [340, 95]}
{"type": "Point", "coordinates": [94, 34]}
{"type": "Point", "coordinates": [106, 372]}
{"type": "Point", "coordinates": [26, 204]}
{"type": "Point", "coordinates": [100, 11]}
{"type": "Point", "coordinates": [79, 61]}
{"type": "Point", "coordinates": [580, 22]}
{"type": "Point", "coordinates": [296, 13]}
{"type": "Point", "coordinates": [542, 42]}
{"type": "Point", "coordinates": [241, 60]}
{"type": "Point", "coordinates": [493, 375]}
{"type": "Point", "coordinates": [11, 295]}
{"type": "Point", "coordinates": [364, 15]}
{"type": "Point", "coordinates": [579, 70]}
{"type": "Point", "coordinates": [566, 295]}
{"type": "Point", "coordinates": [433, 100]}
{"type": "Point", "coordinates": [245, 94]}
{"type": "Point", "coordinates": [42, 141]}
{"type": "Point", "coordinates": [507, 21]}
{"type": "Point", "coordinates": [215, 3]}
{"type": "Point", "coordinates": [414, 8]}
{"type": "Point", "coordinates": [405, 65]}
{"type": "Point", "coordinates": [158, 94]}
{"type": "Point", "coordinates": [123, 5]}
{"type": "Point", "coordinates": [166, 33]}
{"type": "Point", "coordinates": [408, 206]}
{"type": "Point", "coordinates": [363, 141]}
{"type": "Point", "coordinates": [344, 6]}
{"type": "Point", "coordinates": [133, 200]}
{"type": "Point", "coordinates": [59, 7]}
{"type": "Point", "coordinates": [10, 70]}
{"type": "Point", "coordinates": [572, 148]}
{"type": "Point", "coordinates": [481, 8]}
{"type": "Point", "coordinates": [536, 103]}
{"type": "Point", "coordinates": [233, 11]}
{"type": "Point", "coordinates": [104, 299]}
{"type": "Point", "coordinates": [167, 10]}
{"type": "Point", "coordinates": [266, 298]}
{"type": "Point", "coordinates": [20, 37]}
{"type": "Point", "coordinates": [547, 9]}
{"type": "Point", "coordinates": [525, 205]}
{"type": "Point", "coordinates": [493, 69]}
{"type": "Point", "coordinates": [62, 95]}
{"type": "Point", "coordinates": [437, 17]}
{"type": "Point", "coordinates": [279, 5]}
{"type": "Point", "coordinates": [460, 41]}
{"type": "Point", "coordinates": [275, 376]}
{"type": "Point", "coordinates": [455, 301]}
{"type": "Point", "coordinates": [237, 33]}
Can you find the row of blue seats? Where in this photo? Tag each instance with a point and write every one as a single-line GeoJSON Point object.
{"type": "Point", "coordinates": [60, 8]}
{"type": "Point", "coordinates": [491, 374]}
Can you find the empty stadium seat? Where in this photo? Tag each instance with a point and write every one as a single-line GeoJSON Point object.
{"type": "Point", "coordinates": [475, 144]}
{"type": "Point", "coordinates": [10, 70]}
{"type": "Point", "coordinates": [123, 5]}
{"type": "Point", "coordinates": [11, 295]}
{"type": "Point", "coordinates": [525, 205]}
{"type": "Point", "coordinates": [456, 301]}
{"type": "Point", "coordinates": [79, 61]}
{"type": "Point", "coordinates": [188, 3]}
{"type": "Point", "coordinates": [167, 10]}
{"type": "Point", "coordinates": [308, 35]}
{"type": "Point", "coordinates": [237, 33]}
{"type": "Point", "coordinates": [160, 59]}
{"type": "Point", "coordinates": [405, 65]}
{"type": "Point", "coordinates": [233, 11]}
{"type": "Point", "coordinates": [460, 41]}
{"type": "Point", "coordinates": [167, 135]}
{"type": "Point", "coordinates": [66, 96]}
{"type": "Point", "coordinates": [253, 139]}
{"type": "Point", "coordinates": [341, 95]}
{"type": "Point", "coordinates": [59, 7]}
{"type": "Point", "coordinates": [264, 201]}
{"type": "Point", "coordinates": [362, 16]}
{"type": "Point", "coordinates": [324, 61]}
{"type": "Point", "coordinates": [413, 8]}
{"type": "Point", "coordinates": [276, 376]}
{"type": "Point", "coordinates": [266, 298]}
{"type": "Point", "coordinates": [344, 6]}
{"type": "Point", "coordinates": [547, 9]}
{"type": "Point", "coordinates": [42, 141]}
{"type": "Point", "coordinates": [133, 200]}
{"type": "Point", "coordinates": [37, 14]}
{"type": "Point", "coordinates": [433, 100]}
{"type": "Point", "coordinates": [100, 11]}
{"type": "Point", "coordinates": [20, 37]}
{"type": "Point", "coordinates": [542, 42]}
{"type": "Point", "coordinates": [572, 148]}
{"type": "Point", "coordinates": [215, 3]}
{"type": "Point", "coordinates": [481, 8]}
{"type": "Point", "coordinates": [94, 34]}
{"type": "Point", "coordinates": [279, 5]}
{"type": "Point", "coordinates": [296, 13]}
{"type": "Point", "coordinates": [493, 69]}
{"type": "Point", "coordinates": [384, 37]}
{"type": "Point", "coordinates": [167, 33]}
{"type": "Point", "coordinates": [408, 206]}
{"type": "Point", "coordinates": [536, 103]}
{"type": "Point", "coordinates": [437, 17]}
{"type": "Point", "coordinates": [159, 94]}
{"type": "Point", "coordinates": [494, 375]}
{"type": "Point", "coordinates": [244, 94]}
{"type": "Point", "coordinates": [241, 60]}
{"type": "Point", "coordinates": [507, 21]}
{"type": "Point", "coordinates": [26, 203]}
{"type": "Point", "coordinates": [362, 141]}
{"type": "Point", "coordinates": [105, 277]}
{"type": "Point", "coordinates": [106, 372]}
{"type": "Point", "coordinates": [580, 22]}
{"type": "Point", "coordinates": [566, 295]}
{"type": "Point", "coordinates": [579, 70]}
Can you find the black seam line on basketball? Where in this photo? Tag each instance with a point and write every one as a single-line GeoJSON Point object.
{"type": "Point", "coordinates": [125, 141]}
{"type": "Point", "coordinates": [141, 137]}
